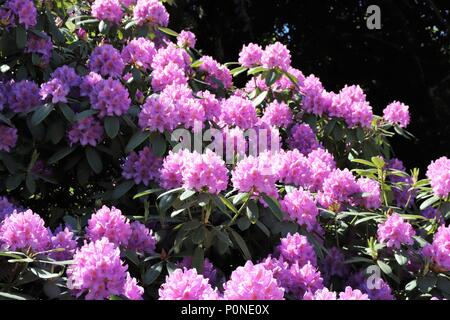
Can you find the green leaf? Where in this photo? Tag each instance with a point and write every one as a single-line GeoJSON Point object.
{"type": "Point", "coordinates": [152, 273]}
{"type": "Point", "coordinates": [137, 139]}
{"type": "Point", "coordinates": [255, 70]}
{"type": "Point", "coordinates": [122, 189]}
{"type": "Point", "coordinates": [41, 113]}
{"type": "Point", "coordinates": [147, 192]}
{"type": "Point", "coordinates": [252, 211]}
{"type": "Point", "coordinates": [187, 194]}
{"type": "Point", "coordinates": [430, 201]}
{"type": "Point", "coordinates": [378, 161]}
{"type": "Point", "coordinates": [5, 120]}
{"type": "Point", "coordinates": [67, 112]}
{"type": "Point", "coordinates": [196, 64]}
{"type": "Point", "coordinates": [274, 206]}
{"type": "Point", "coordinates": [21, 37]}
{"type": "Point", "coordinates": [243, 223]}
{"type": "Point", "coordinates": [112, 126]}
{"type": "Point", "coordinates": [365, 162]}
{"type": "Point", "coordinates": [14, 296]}
{"type": "Point", "coordinates": [168, 31]}
{"type": "Point", "coordinates": [159, 144]}
{"type": "Point", "coordinates": [241, 244]}
{"type": "Point", "coordinates": [236, 71]}
{"type": "Point", "coordinates": [14, 181]}
{"type": "Point", "coordinates": [384, 267]}
{"type": "Point", "coordinates": [260, 98]}
{"type": "Point", "coordinates": [271, 77]}
{"type": "Point", "coordinates": [84, 114]}
{"type": "Point", "coordinates": [411, 285]}
{"type": "Point", "coordinates": [426, 283]}
{"type": "Point", "coordinates": [198, 258]}
{"type": "Point", "coordinates": [401, 259]}
{"type": "Point", "coordinates": [94, 159]}
{"type": "Point", "coordinates": [263, 228]}
{"type": "Point", "coordinates": [227, 203]}
{"type": "Point", "coordinates": [30, 183]}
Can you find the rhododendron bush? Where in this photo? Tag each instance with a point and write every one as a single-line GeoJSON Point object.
{"type": "Point", "coordinates": [132, 166]}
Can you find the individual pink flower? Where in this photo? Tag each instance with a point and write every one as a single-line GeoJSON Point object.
{"type": "Point", "coordinates": [320, 294]}
{"type": "Point", "coordinates": [172, 168]}
{"type": "Point", "coordinates": [338, 188]}
{"type": "Point", "coordinates": [108, 10]}
{"type": "Point", "coordinates": [88, 131]}
{"type": "Point", "coordinates": [110, 97]}
{"type": "Point", "coordinates": [205, 172]}
{"type": "Point", "coordinates": [22, 231]}
{"type": "Point", "coordinates": [139, 52]}
{"type": "Point", "coordinates": [23, 96]}
{"type": "Point", "coordinates": [397, 113]}
{"type": "Point", "coordinates": [142, 166]}
{"type": "Point", "coordinates": [186, 39]}
{"type": "Point", "coordinates": [142, 239]}
{"type": "Point", "coordinates": [293, 168]}
{"type": "Point", "coordinates": [439, 250]}
{"type": "Point", "coordinates": [301, 207]}
{"type": "Point", "coordinates": [97, 271]}
{"type": "Point", "coordinates": [277, 114]}
{"type": "Point", "coordinates": [303, 138]}
{"type": "Point", "coordinates": [109, 223]}
{"type": "Point", "coordinates": [371, 193]}
{"type": "Point", "coordinates": [9, 138]}
{"type": "Point", "coordinates": [150, 12]}
{"type": "Point", "coordinates": [216, 74]}
{"type": "Point", "coordinates": [107, 61]}
{"type": "Point", "coordinates": [276, 55]}
{"type": "Point", "coordinates": [63, 239]}
{"type": "Point", "coordinates": [395, 232]}
{"type": "Point", "coordinates": [296, 249]}
{"type": "Point", "coordinates": [321, 164]}
{"type": "Point", "coordinates": [240, 112]}
{"type": "Point", "coordinates": [350, 294]}
{"type": "Point", "coordinates": [438, 172]}
{"type": "Point", "coordinates": [257, 174]}
{"type": "Point", "coordinates": [250, 55]}
{"type": "Point", "coordinates": [186, 284]}
{"type": "Point", "coordinates": [131, 289]}
{"type": "Point", "coordinates": [252, 282]}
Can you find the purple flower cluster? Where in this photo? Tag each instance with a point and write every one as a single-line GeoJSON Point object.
{"type": "Point", "coordinates": [107, 61]}
{"type": "Point", "coordinates": [142, 166]}
{"type": "Point", "coordinates": [338, 188]}
{"type": "Point", "coordinates": [40, 45]}
{"type": "Point", "coordinates": [9, 138]}
{"type": "Point", "coordinates": [23, 96]}
{"type": "Point", "coordinates": [87, 131]}
{"type": "Point", "coordinates": [142, 239]}
{"type": "Point", "coordinates": [63, 239]}
{"type": "Point", "coordinates": [6, 208]}
{"type": "Point", "coordinates": [439, 250]}
{"type": "Point", "coordinates": [303, 138]}
{"type": "Point", "coordinates": [110, 97]}
{"type": "Point", "coordinates": [24, 10]}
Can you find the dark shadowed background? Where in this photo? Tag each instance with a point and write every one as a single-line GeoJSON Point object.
{"type": "Point", "coordinates": [407, 60]}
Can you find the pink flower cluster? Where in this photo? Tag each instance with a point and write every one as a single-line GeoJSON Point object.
{"type": "Point", "coordinates": [439, 174]}
{"type": "Point", "coordinates": [110, 97]}
{"type": "Point", "coordinates": [338, 188]}
{"type": "Point", "coordinates": [216, 74]}
{"type": "Point", "coordinates": [277, 114]}
{"type": "Point", "coordinates": [151, 12]}
{"type": "Point", "coordinates": [439, 250]}
{"type": "Point", "coordinates": [142, 239]}
{"type": "Point", "coordinates": [22, 231]}
{"type": "Point", "coordinates": [186, 284]}
{"type": "Point", "coordinates": [63, 239]}
{"type": "Point", "coordinates": [142, 166]}
{"type": "Point", "coordinates": [97, 271]}
{"type": "Point", "coordinates": [238, 111]}
{"type": "Point", "coordinates": [139, 52]}
{"type": "Point", "coordinates": [371, 193]}
{"type": "Point", "coordinates": [252, 282]}
{"type": "Point", "coordinates": [397, 113]}
{"type": "Point", "coordinates": [111, 224]}
{"type": "Point", "coordinates": [108, 10]}
{"type": "Point", "coordinates": [395, 231]}
{"type": "Point", "coordinates": [209, 271]}
{"type": "Point", "coordinates": [301, 207]}
{"type": "Point", "coordinates": [186, 39]}
{"type": "Point", "coordinates": [250, 55]}
{"type": "Point", "coordinates": [276, 55]}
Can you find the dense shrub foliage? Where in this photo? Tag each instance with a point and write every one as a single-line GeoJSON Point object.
{"type": "Point", "coordinates": [132, 167]}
